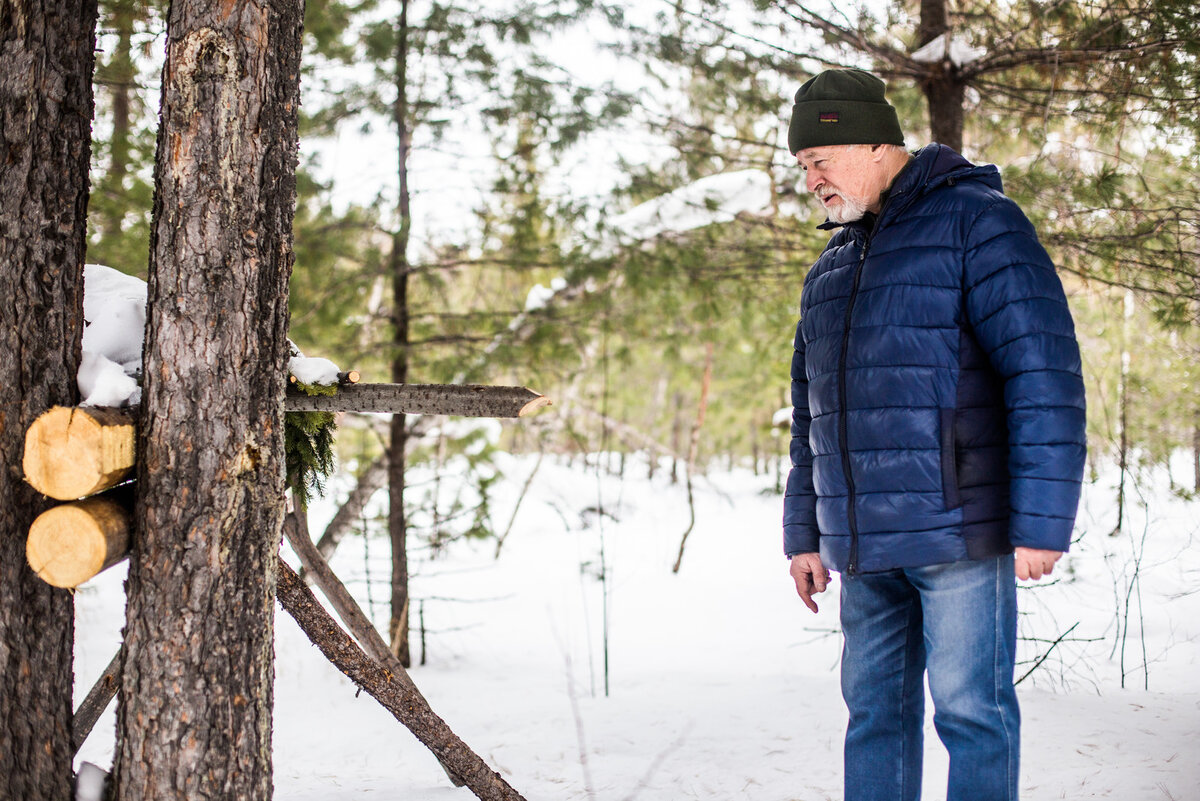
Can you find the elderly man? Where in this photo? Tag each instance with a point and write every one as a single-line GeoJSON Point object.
{"type": "Point", "coordinates": [937, 438]}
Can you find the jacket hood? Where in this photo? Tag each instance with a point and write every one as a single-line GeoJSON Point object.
{"type": "Point", "coordinates": [930, 167]}
{"type": "Point", "coordinates": [936, 164]}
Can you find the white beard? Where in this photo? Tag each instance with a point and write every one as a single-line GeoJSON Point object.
{"type": "Point", "coordinates": [848, 210]}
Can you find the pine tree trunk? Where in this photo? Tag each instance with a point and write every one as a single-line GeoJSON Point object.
{"type": "Point", "coordinates": [397, 523]}
{"type": "Point", "coordinates": [46, 62]}
{"type": "Point", "coordinates": [194, 720]}
{"type": "Point", "coordinates": [120, 75]}
{"type": "Point", "coordinates": [943, 89]}
{"type": "Point", "coordinates": [945, 95]}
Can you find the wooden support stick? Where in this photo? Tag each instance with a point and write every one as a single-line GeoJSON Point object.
{"type": "Point", "coordinates": [396, 696]}
{"type": "Point", "coordinates": [295, 529]}
{"type": "Point", "coordinates": [75, 452]}
{"type": "Point", "coordinates": [465, 400]}
{"type": "Point", "coordinates": [71, 543]}
{"type": "Point", "coordinates": [93, 706]}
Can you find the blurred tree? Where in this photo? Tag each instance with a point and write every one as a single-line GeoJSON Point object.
{"type": "Point", "coordinates": [439, 68]}
{"type": "Point", "coordinates": [126, 87]}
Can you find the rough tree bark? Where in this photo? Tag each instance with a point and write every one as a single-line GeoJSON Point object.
{"type": "Point", "coordinates": [194, 720]}
{"type": "Point", "coordinates": [944, 88]}
{"type": "Point", "coordinates": [46, 62]}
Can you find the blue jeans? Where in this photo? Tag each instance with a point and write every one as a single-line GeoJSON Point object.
{"type": "Point", "coordinates": [958, 622]}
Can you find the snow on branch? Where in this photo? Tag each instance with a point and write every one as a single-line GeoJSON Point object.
{"type": "Point", "coordinates": [948, 47]}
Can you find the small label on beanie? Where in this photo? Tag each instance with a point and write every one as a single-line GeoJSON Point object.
{"type": "Point", "coordinates": [828, 116]}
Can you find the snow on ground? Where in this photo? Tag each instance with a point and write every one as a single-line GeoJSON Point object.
{"type": "Point", "coordinates": [721, 685]}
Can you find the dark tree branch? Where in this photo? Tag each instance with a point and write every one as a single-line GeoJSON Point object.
{"type": "Point", "coordinates": [1014, 59]}
{"type": "Point", "coordinates": [387, 687]}
{"type": "Point", "coordinates": [97, 700]}
{"type": "Point", "coordinates": [897, 59]}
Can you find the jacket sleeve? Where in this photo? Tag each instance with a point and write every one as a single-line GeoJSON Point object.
{"type": "Point", "coordinates": [1017, 308]}
{"type": "Point", "coordinates": [800, 534]}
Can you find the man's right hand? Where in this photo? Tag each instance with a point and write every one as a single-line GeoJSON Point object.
{"type": "Point", "coordinates": [810, 576]}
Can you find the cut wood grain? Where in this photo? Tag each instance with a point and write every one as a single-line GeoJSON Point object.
{"type": "Point", "coordinates": [71, 543]}
{"type": "Point", "coordinates": [73, 452]}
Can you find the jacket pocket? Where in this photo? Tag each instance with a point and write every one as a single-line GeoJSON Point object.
{"type": "Point", "coordinates": [949, 467]}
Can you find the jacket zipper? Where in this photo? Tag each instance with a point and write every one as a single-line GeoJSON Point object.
{"type": "Point", "coordinates": [843, 424]}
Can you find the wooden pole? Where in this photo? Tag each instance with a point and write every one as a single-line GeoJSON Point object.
{"type": "Point", "coordinates": [93, 706]}
{"type": "Point", "coordinates": [73, 452]}
{"type": "Point", "coordinates": [382, 676]}
{"type": "Point", "coordinates": [398, 697]}
{"type": "Point", "coordinates": [465, 400]}
{"type": "Point", "coordinates": [295, 529]}
{"type": "Point", "coordinates": [71, 543]}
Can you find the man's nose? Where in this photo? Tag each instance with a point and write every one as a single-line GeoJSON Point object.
{"type": "Point", "coordinates": [812, 180]}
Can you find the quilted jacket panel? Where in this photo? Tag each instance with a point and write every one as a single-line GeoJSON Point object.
{"type": "Point", "coordinates": [938, 401]}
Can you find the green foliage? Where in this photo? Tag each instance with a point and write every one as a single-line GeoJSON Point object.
{"type": "Point", "coordinates": [308, 447]}
{"type": "Point", "coordinates": [1096, 137]}
{"type": "Point", "coordinates": [445, 510]}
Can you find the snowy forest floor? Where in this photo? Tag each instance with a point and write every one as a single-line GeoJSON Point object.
{"type": "Point", "coordinates": [720, 685]}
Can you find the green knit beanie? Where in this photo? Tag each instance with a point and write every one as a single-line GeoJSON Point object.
{"type": "Point", "coordinates": [843, 107]}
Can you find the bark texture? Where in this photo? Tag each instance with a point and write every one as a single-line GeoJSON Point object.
{"type": "Point", "coordinates": [46, 61]}
{"type": "Point", "coordinates": [194, 720]}
{"type": "Point", "coordinates": [464, 400]}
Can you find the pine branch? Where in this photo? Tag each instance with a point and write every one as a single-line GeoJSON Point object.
{"type": "Point", "coordinates": [900, 61]}
{"type": "Point", "coordinates": [1051, 56]}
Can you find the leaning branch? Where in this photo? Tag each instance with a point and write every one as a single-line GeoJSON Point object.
{"type": "Point", "coordinates": [93, 706]}
{"type": "Point", "coordinates": [1046, 655]}
{"type": "Point", "coordinates": [401, 699]}
{"type": "Point", "coordinates": [373, 479]}
{"type": "Point", "coordinates": [295, 529]}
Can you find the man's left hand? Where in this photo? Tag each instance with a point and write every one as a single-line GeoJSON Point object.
{"type": "Point", "coordinates": [1033, 563]}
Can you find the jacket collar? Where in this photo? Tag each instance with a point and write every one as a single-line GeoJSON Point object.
{"type": "Point", "coordinates": [929, 168]}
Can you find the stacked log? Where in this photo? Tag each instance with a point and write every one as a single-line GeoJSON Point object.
{"type": "Point", "coordinates": [86, 456]}
{"type": "Point", "coordinates": [74, 455]}
{"type": "Point", "coordinates": [71, 453]}
{"type": "Point", "coordinates": [79, 455]}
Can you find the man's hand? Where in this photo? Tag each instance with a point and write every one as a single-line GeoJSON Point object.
{"type": "Point", "coordinates": [1033, 563]}
{"type": "Point", "coordinates": [810, 576]}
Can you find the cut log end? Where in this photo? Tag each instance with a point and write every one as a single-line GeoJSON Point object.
{"type": "Point", "coordinates": [72, 543]}
{"type": "Point", "coordinates": [75, 452]}
{"type": "Point", "coordinates": [535, 404]}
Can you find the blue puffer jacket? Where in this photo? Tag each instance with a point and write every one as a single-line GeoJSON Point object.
{"type": "Point", "coordinates": [938, 399]}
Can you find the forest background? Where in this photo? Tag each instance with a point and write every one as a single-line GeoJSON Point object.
{"type": "Point", "coordinates": [515, 193]}
{"type": "Point", "coordinates": [591, 199]}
